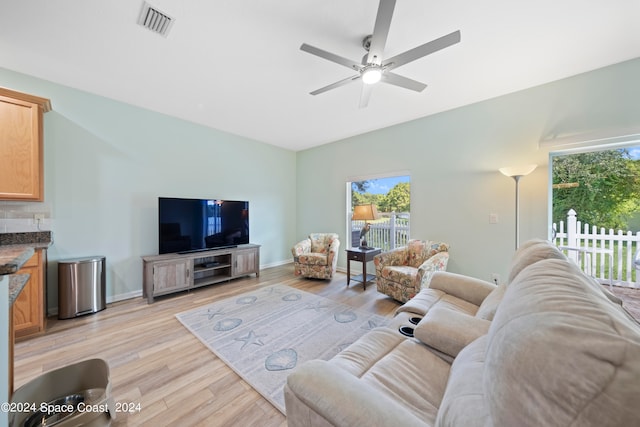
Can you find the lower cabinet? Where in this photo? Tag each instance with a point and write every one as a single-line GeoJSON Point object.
{"type": "Point", "coordinates": [170, 276]}
{"type": "Point", "coordinates": [28, 308]}
{"type": "Point", "coordinates": [168, 273]}
{"type": "Point", "coordinates": [246, 262]}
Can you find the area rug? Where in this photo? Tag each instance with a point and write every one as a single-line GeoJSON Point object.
{"type": "Point", "coordinates": [265, 334]}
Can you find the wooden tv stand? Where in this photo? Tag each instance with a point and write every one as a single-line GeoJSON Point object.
{"type": "Point", "coordinates": [169, 273]}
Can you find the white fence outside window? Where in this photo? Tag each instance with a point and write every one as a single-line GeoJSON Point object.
{"type": "Point", "coordinates": [389, 232]}
{"type": "Point", "coordinates": [606, 255]}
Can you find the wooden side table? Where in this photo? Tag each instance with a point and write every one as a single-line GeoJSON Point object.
{"type": "Point", "coordinates": [363, 256]}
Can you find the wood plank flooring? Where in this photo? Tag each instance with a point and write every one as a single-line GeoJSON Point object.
{"type": "Point", "coordinates": [157, 363]}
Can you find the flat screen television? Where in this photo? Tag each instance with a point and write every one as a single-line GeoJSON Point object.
{"type": "Point", "coordinates": [189, 225]}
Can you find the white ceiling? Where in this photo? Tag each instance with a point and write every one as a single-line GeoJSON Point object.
{"type": "Point", "coordinates": [236, 65]}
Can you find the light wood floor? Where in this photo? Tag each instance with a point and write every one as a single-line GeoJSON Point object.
{"type": "Point", "coordinates": [157, 363]}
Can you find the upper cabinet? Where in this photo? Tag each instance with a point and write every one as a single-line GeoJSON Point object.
{"type": "Point", "coordinates": [21, 146]}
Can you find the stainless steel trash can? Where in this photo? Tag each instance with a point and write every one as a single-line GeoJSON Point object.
{"type": "Point", "coordinates": [81, 286]}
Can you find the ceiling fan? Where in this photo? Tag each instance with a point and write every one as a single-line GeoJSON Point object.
{"type": "Point", "coordinates": [373, 68]}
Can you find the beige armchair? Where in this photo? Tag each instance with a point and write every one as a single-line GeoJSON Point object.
{"type": "Point", "coordinates": [402, 272]}
{"type": "Point", "coordinates": [316, 256]}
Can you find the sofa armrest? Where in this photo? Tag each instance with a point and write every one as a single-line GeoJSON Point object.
{"type": "Point", "coordinates": [302, 247]}
{"type": "Point", "coordinates": [317, 387]}
{"type": "Point", "coordinates": [464, 287]}
{"type": "Point", "coordinates": [333, 251]}
{"type": "Point", "coordinates": [335, 245]}
{"type": "Point", "coordinates": [438, 262]}
{"type": "Point", "coordinates": [449, 331]}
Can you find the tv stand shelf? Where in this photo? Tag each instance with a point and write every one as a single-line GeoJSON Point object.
{"type": "Point", "coordinates": [169, 273]}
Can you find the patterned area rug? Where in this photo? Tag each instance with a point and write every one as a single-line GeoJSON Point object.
{"type": "Point", "coordinates": [263, 335]}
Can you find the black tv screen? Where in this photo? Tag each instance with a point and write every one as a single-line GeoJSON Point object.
{"type": "Point", "coordinates": [198, 224]}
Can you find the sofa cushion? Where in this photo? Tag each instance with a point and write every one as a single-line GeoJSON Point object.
{"type": "Point", "coordinates": [319, 393]}
{"type": "Point", "coordinates": [531, 252]}
{"type": "Point", "coordinates": [416, 252]}
{"type": "Point", "coordinates": [490, 304]}
{"type": "Point", "coordinates": [460, 286]}
{"type": "Point", "coordinates": [320, 242]}
{"type": "Point", "coordinates": [422, 302]}
{"type": "Point", "coordinates": [457, 304]}
{"type": "Point", "coordinates": [402, 369]}
{"type": "Point", "coordinates": [363, 354]}
{"type": "Point", "coordinates": [401, 274]}
{"type": "Point", "coordinates": [560, 353]}
{"type": "Point", "coordinates": [449, 331]}
{"type": "Point", "coordinates": [463, 403]}
{"type": "Point", "coordinates": [428, 298]}
{"type": "Point", "coordinates": [313, 259]}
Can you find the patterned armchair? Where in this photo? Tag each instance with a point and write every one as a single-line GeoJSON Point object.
{"type": "Point", "coordinates": [403, 272]}
{"type": "Point", "coordinates": [317, 256]}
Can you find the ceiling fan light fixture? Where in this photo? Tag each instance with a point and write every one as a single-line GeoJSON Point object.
{"type": "Point", "coordinates": [375, 66]}
{"type": "Point", "coordinates": [371, 74]}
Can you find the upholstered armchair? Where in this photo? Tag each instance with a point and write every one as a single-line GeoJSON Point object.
{"type": "Point", "coordinates": [316, 256]}
{"type": "Point", "coordinates": [402, 272]}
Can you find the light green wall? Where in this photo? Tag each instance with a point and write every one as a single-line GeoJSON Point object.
{"type": "Point", "coordinates": [453, 159]}
{"type": "Point", "coordinates": [106, 163]}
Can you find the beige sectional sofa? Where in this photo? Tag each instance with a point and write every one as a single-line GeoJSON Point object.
{"type": "Point", "coordinates": [549, 348]}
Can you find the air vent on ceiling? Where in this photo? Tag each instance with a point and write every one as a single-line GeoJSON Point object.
{"type": "Point", "coordinates": [155, 20]}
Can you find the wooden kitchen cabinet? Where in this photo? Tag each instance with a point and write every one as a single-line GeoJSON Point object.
{"type": "Point", "coordinates": [28, 309]}
{"type": "Point", "coordinates": [21, 145]}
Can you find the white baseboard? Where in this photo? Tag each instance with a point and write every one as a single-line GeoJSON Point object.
{"type": "Point", "coordinates": [122, 297]}
{"type": "Point", "coordinates": [277, 264]}
{"type": "Point", "coordinates": [53, 311]}
{"type": "Point", "coordinates": [137, 294]}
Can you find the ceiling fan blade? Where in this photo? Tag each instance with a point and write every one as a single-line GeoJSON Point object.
{"type": "Point", "coordinates": [365, 95]}
{"type": "Point", "coordinates": [407, 83]}
{"type": "Point", "coordinates": [336, 84]}
{"type": "Point", "coordinates": [330, 56]}
{"type": "Point", "coordinates": [381, 31]}
{"type": "Point", "coordinates": [422, 50]}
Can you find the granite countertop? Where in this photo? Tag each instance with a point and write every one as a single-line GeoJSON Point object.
{"type": "Point", "coordinates": [35, 245]}
{"type": "Point", "coordinates": [37, 239]}
{"type": "Point", "coordinates": [12, 258]}
{"type": "Point", "coordinates": [15, 250]}
{"type": "Point", "coordinates": [16, 284]}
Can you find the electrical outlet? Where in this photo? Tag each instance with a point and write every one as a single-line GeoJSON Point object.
{"type": "Point", "coordinates": [496, 278]}
{"type": "Point", "coordinates": [38, 217]}
{"type": "Point", "coordinates": [493, 218]}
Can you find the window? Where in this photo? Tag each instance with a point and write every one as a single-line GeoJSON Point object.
{"type": "Point", "coordinates": [391, 195]}
{"type": "Point", "coordinates": [596, 209]}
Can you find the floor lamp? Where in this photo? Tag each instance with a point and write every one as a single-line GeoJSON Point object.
{"type": "Point", "coordinates": [516, 173]}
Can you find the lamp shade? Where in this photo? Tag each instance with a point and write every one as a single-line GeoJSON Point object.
{"type": "Point", "coordinates": [518, 170]}
{"type": "Point", "coordinates": [365, 212]}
